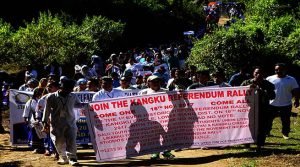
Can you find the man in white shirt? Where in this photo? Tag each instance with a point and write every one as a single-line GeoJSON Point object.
{"type": "Point", "coordinates": [60, 105]}
{"type": "Point", "coordinates": [107, 90]}
{"type": "Point", "coordinates": [285, 88]}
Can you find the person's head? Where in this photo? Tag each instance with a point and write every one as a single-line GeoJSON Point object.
{"type": "Point", "coordinates": [280, 70]}
{"type": "Point", "coordinates": [173, 71]}
{"type": "Point", "coordinates": [195, 79]}
{"type": "Point", "coordinates": [37, 93]}
{"type": "Point", "coordinates": [92, 85]}
{"type": "Point", "coordinates": [139, 80]}
{"type": "Point", "coordinates": [43, 82]}
{"type": "Point", "coordinates": [114, 75]}
{"type": "Point", "coordinates": [107, 83]}
{"type": "Point", "coordinates": [179, 74]}
{"type": "Point", "coordinates": [62, 79]}
{"type": "Point", "coordinates": [131, 61]}
{"type": "Point", "coordinates": [77, 68]}
{"type": "Point", "coordinates": [154, 82]}
{"type": "Point", "coordinates": [258, 74]}
{"type": "Point", "coordinates": [52, 87]}
{"type": "Point", "coordinates": [84, 69]}
{"type": "Point", "coordinates": [82, 84]}
{"type": "Point", "coordinates": [125, 82]}
{"type": "Point", "coordinates": [158, 56]}
{"type": "Point", "coordinates": [33, 83]}
{"type": "Point", "coordinates": [67, 86]}
{"type": "Point", "coordinates": [203, 76]}
{"type": "Point", "coordinates": [219, 77]}
{"type": "Point", "coordinates": [128, 74]}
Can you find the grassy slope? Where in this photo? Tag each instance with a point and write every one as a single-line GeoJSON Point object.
{"type": "Point", "coordinates": [278, 151]}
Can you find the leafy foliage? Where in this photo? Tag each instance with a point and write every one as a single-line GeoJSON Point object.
{"type": "Point", "coordinates": [52, 37]}
{"type": "Point", "coordinates": [270, 34]}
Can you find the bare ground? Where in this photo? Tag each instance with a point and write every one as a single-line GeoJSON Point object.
{"type": "Point", "coordinates": [274, 156]}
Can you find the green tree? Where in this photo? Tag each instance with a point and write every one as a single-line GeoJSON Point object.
{"type": "Point", "coordinates": [52, 37]}
{"type": "Point", "coordinates": [270, 34]}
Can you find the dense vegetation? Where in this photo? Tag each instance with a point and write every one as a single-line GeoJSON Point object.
{"type": "Point", "coordinates": [52, 37]}
{"type": "Point", "coordinates": [65, 30]}
{"type": "Point", "coordinates": [270, 34]}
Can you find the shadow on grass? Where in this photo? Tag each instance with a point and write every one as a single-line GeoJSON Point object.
{"type": "Point", "coordinates": [194, 160]}
{"type": "Point", "coordinates": [11, 164]}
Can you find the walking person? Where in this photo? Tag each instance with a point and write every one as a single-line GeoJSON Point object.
{"type": "Point", "coordinates": [63, 121]}
{"type": "Point", "coordinates": [285, 88]}
{"type": "Point", "coordinates": [265, 91]}
{"type": "Point", "coordinates": [155, 87]}
{"type": "Point", "coordinates": [31, 118]}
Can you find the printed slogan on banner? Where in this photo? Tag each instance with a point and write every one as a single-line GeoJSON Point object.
{"type": "Point", "coordinates": [138, 125]}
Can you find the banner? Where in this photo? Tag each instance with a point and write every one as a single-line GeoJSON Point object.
{"type": "Point", "coordinates": [19, 130]}
{"type": "Point", "coordinates": [133, 126]}
{"type": "Point", "coordinates": [83, 136]}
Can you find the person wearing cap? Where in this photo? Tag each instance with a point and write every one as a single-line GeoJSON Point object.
{"type": "Point", "coordinates": [81, 85]}
{"type": "Point", "coordinates": [60, 105]}
{"type": "Point", "coordinates": [107, 91]}
{"type": "Point", "coordinates": [154, 83]}
{"type": "Point", "coordinates": [31, 118]}
{"type": "Point", "coordinates": [125, 84]}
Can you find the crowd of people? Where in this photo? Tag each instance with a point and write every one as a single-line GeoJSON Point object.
{"type": "Point", "coordinates": [150, 70]}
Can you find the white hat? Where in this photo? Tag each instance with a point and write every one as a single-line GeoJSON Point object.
{"type": "Point", "coordinates": [153, 77]}
{"type": "Point", "coordinates": [77, 68]}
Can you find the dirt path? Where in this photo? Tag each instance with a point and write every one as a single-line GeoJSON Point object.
{"type": "Point", "coordinates": [22, 156]}
{"type": "Point", "coordinates": [279, 153]}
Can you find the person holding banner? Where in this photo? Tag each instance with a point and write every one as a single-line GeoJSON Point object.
{"type": "Point", "coordinates": [31, 119]}
{"type": "Point", "coordinates": [265, 91]}
{"type": "Point", "coordinates": [154, 87]}
{"type": "Point", "coordinates": [63, 121]}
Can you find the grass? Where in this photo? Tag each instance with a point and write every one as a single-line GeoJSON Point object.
{"type": "Point", "coordinates": [278, 151]}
